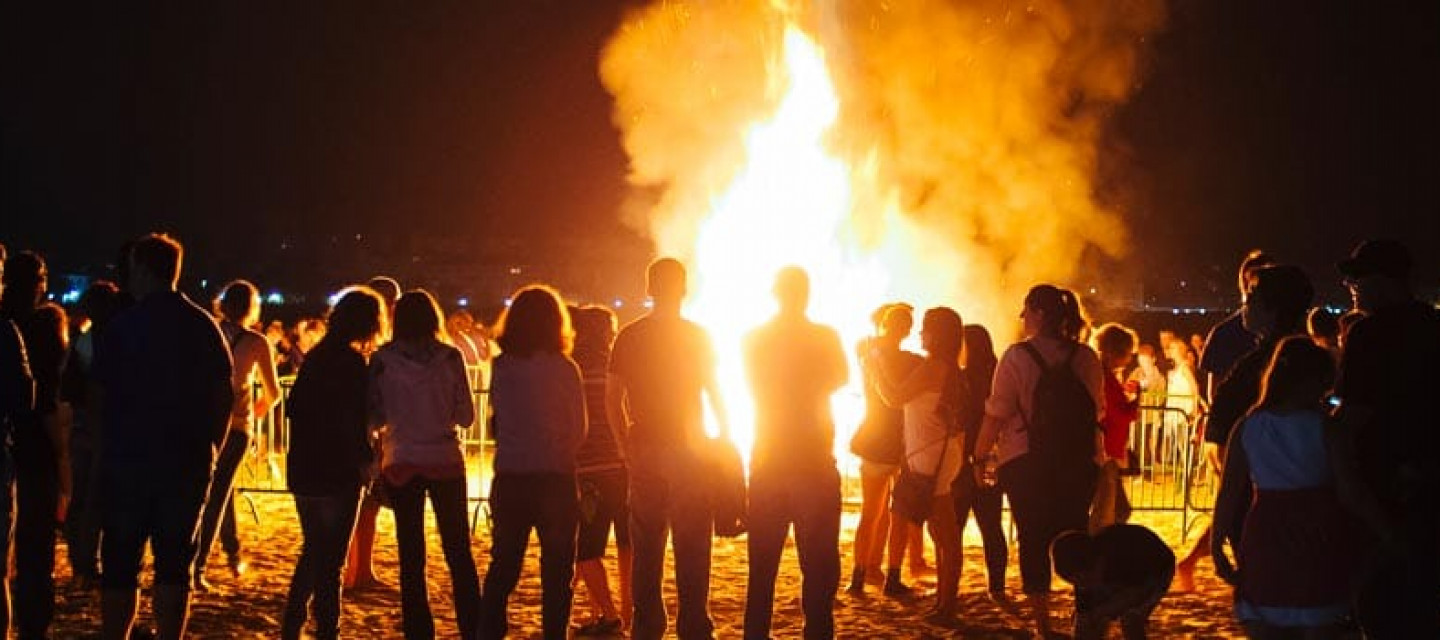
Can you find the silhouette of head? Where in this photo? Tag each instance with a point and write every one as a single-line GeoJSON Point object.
{"type": "Point", "coordinates": [792, 290]}
{"type": "Point", "coordinates": [665, 281]}
{"type": "Point", "coordinates": [154, 264]}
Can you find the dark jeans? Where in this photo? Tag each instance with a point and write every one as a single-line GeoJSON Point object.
{"type": "Point", "coordinates": [149, 506]}
{"type": "Point", "coordinates": [82, 519]}
{"type": "Point", "coordinates": [666, 496]}
{"type": "Point", "coordinates": [451, 506]}
{"type": "Point", "coordinates": [604, 501]}
{"type": "Point", "coordinates": [809, 499]}
{"type": "Point", "coordinates": [969, 495]}
{"type": "Point", "coordinates": [326, 523]}
{"type": "Point", "coordinates": [1044, 502]}
{"type": "Point", "coordinates": [549, 504]}
{"type": "Point", "coordinates": [219, 499]}
{"type": "Point", "coordinates": [37, 498]}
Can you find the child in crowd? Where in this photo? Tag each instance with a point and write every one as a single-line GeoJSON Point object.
{"type": "Point", "coordinates": [1119, 573]}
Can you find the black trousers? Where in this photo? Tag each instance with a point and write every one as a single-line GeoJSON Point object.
{"type": "Point", "coordinates": [1045, 500]}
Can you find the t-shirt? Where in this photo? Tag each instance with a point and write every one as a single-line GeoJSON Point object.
{"type": "Point", "coordinates": [794, 366]}
{"type": "Point", "coordinates": [1391, 365]}
{"type": "Point", "coordinates": [1013, 390]}
{"type": "Point", "coordinates": [601, 449]}
{"type": "Point", "coordinates": [1227, 343]}
{"type": "Point", "coordinates": [166, 371]}
{"type": "Point", "coordinates": [1237, 392]}
{"type": "Point", "coordinates": [665, 363]}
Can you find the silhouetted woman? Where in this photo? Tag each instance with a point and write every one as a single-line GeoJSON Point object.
{"type": "Point", "coordinates": [420, 394]}
{"type": "Point", "coordinates": [934, 441]}
{"type": "Point", "coordinates": [975, 490]}
{"type": "Point", "coordinates": [540, 422]}
{"type": "Point", "coordinates": [1295, 562]}
{"type": "Point", "coordinates": [329, 460]}
{"type": "Point", "coordinates": [1047, 495]}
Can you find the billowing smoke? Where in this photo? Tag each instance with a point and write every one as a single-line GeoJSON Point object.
{"type": "Point", "coordinates": [976, 125]}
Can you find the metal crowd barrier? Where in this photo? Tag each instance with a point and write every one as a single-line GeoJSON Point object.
{"type": "Point", "coordinates": [1171, 473]}
{"type": "Point", "coordinates": [263, 470]}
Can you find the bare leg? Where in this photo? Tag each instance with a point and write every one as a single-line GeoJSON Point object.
{"type": "Point", "coordinates": [597, 584]}
{"type": "Point", "coordinates": [873, 520]}
{"type": "Point", "coordinates": [626, 557]}
{"type": "Point", "coordinates": [945, 531]}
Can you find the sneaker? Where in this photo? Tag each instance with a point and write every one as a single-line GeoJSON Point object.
{"type": "Point", "coordinates": [600, 627]}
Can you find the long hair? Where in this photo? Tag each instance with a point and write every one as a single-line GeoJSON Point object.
{"type": "Point", "coordinates": [1060, 309]}
{"type": "Point", "coordinates": [979, 352]}
{"type": "Point", "coordinates": [358, 316]}
{"type": "Point", "coordinates": [417, 318]}
{"type": "Point", "coordinates": [1296, 362]}
{"type": "Point", "coordinates": [945, 340]}
{"type": "Point", "coordinates": [535, 322]}
{"type": "Point", "coordinates": [1113, 340]}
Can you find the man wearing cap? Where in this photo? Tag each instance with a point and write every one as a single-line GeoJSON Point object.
{"type": "Point", "coordinates": [1389, 372]}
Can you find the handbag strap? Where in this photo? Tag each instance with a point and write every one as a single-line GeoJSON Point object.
{"type": "Point", "coordinates": [944, 446]}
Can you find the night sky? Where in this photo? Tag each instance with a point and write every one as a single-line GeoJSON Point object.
{"type": "Point", "coordinates": [1296, 126]}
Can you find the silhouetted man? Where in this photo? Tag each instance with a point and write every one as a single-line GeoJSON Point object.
{"type": "Point", "coordinates": [661, 366]}
{"type": "Point", "coordinates": [794, 366]}
{"type": "Point", "coordinates": [39, 441]}
{"type": "Point", "coordinates": [1389, 371]}
{"type": "Point", "coordinates": [165, 373]}
{"type": "Point", "coordinates": [17, 398]}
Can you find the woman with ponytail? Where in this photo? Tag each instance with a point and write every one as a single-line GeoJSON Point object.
{"type": "Point", "coordinates": [1049, 476]}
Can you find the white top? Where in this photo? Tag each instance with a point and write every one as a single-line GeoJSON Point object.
{"type": "Point", "coordinates": [1013, 389]}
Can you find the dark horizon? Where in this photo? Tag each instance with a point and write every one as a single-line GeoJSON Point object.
{"type": "Point", "coordinates": [1290, 126]}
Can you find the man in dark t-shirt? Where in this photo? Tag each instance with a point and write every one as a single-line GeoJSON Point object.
{"type": "Point", "coordinates": [794, 366]}
{"type": "Point", "coordinates": [1389, 371]}
{"type": "Point", "coordinates": [164, 372]}
{"type": "Point", "coordinates": [660, 368]}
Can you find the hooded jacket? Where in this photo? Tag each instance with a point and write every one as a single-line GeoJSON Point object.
{"type": "Point", "coordinates": [420, 392]}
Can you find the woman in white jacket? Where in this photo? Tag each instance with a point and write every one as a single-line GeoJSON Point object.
{"type": "Point", "coordinates": [420, 394]}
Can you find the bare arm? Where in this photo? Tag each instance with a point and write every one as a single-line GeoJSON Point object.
{"type": "Point", "coordinates": [463, 413]}
{"type": "Point", "coordinates": [615, 406]}
{"type": "Point", "coordinates": [257, 354]}
{"type": "Point", "coordinates": [717, 405]}
{"type": "Point", "coordinates": [898, 392]}
{"type": "Point", "coordinates": [1230, 506]}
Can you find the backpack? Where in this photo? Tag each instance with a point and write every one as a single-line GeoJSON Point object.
{"type": "Point", "coordinates": [1062, 424]}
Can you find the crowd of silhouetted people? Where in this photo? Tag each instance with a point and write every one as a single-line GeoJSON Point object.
{"type": "Point", "coordinates": [127, 417]}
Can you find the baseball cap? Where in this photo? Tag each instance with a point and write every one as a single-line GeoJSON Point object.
{"type": "Point", "coordinates": [1382, 257]}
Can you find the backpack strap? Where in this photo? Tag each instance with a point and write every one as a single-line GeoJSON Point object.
{"type": "Point", "coordinates": [1044, 366]}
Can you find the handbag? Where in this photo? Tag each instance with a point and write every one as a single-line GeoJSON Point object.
{"type": "Point", "coordinates": [913, 496]}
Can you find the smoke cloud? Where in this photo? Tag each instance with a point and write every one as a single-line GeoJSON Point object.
{"type": "Point", "coordinates": [973, 127]}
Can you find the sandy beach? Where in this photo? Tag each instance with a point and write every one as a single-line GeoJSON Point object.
{"type": "Point", "coordinates": [250, 606]}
